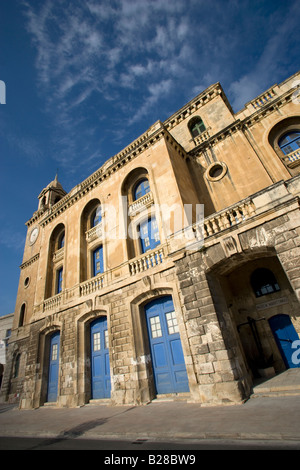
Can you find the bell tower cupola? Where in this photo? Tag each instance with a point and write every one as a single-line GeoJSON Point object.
{"type": "Point", "coordinates": [53, 193]}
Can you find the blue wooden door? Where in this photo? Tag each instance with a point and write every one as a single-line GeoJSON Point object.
{"type": "Point", "coordinates": [149, 235]}
{"type": "Point", "coordinates": [170, 375]}
{"type": "Point", "coordinates": [100, 370]}
{"type": "Point", "coordinates": [53, 367]}
{"type": "Point", "coordinates": [284, 334]}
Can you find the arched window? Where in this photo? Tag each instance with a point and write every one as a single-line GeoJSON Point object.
{"type": "Point", "coordinates": [22, 315]}
{"type": "Point", "coordinates": [141, 188]}
{"type": "Point", "coordinates": [17, 366]}
{"type": "Point", "coordinates": [289, 142]}
{"type": "Point", "coordinates": [263, 282]}
{"type": "Point", "coordinates": [196, 126]}
{"type": "Point", "coordinates": [96, 216]}
{"type": "Point", "coordinates": [61, 240]}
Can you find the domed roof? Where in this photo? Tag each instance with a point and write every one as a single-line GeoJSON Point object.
{"type": "Point", "coordinates": [55, 184]}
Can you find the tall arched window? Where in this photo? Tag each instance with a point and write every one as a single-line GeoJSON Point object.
{"type": "Point", "coordinates": [61, 240]}
{"type": "Point", "coordinates": [22, 315]}
{"type": "Point", "coordinates": [17, 365]}
{"type": "Point", "coordinates": [92, 218]}
{"type": "Point", "coordinates": [263, 282]}
{"type": "Point", "coordinates": [141, 188]}
{"type": "Point", "coordinates": [196, 126]}
{"type": "Point", "coordinates": [289, 142]}
{"type": "Point", "coordinates": [284, 138]}
{"type": "Point", "coordinates": [56, 258]}
{"type": "Point", "coordinates": [96, 216]}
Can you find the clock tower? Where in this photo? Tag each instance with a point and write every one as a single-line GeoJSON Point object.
{"type": "Point", "coordinates": [30, 280]}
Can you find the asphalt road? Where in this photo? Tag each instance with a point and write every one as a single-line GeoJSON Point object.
{"type": "Point", "coordinates": [189, 448]}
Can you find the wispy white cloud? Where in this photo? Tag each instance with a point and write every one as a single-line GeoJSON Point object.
{"type": "Point", "coordinates": [95, 51]}
{"type": "Point", "coordinates": [156, 92]}
{"type": "Point", "coordinates": [118, 61]}
{"type": "Point", "coordinates": [274, 59]}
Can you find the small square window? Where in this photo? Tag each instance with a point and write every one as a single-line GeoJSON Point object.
{"type": "Point", "coordinates": [155, 327]}
{"type": "Point", "coordinates": [96, 341]}
{"type": "Point", "coordinates": [106, 339]}
{"type": "Point", "coordinates": [54, 352]}
{"type": "Point", "coordinates": [172, 323]}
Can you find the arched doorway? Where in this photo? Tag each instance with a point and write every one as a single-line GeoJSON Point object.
{"type": "Point", "coordinates": [53, 370]}
{"type": "Point", "coordinates": [169, 369]}
{"type": "Point", "coordinates": [251, 292]}
{"type": "Point", "coordinates": [100, 367]}
{"type": "Point", "coordinates": [285, 335]}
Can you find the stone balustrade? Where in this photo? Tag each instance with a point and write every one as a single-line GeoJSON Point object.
{"type": "Point", "coordinates": [202, 137]}
{"type": "Point", "coordinates": [140, 204]}
{"type": "Point", "coordinates": [92, 285]}
{"type": "Point", "coordinates": [292, 157]}
{"type": "Point", "coordinates": [94, 232]}
{"type": "Point", "coordinates": [146, 261]}
{"type": "Point", "coordinates": [224, 219]}
{"type": "Point", "coordinates": [58, 255]}
{"type": "Point", "coordinates": [52, 303]}
{"type": "Point", "coordinates": [263, 99]}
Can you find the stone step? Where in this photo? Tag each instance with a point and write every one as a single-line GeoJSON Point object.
{"type": "Point", "coordinates": [172, 397]}
{"type": "Point", "coordinates": [280, 393]}
{"type": "Point", "coordinates": [284, 384]}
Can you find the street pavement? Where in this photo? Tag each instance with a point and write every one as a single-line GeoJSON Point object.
{"type": "Point", "coordinates": [273, 415]}
{"type": "Point", "coordinates": [271, 418]}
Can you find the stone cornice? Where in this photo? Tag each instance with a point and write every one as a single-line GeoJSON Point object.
{"type": "Point", "coordinates": [196, 103]}
{"type": "Point", "coordinates": [246, 123]}
{"type": "Point", "coordinates": [30, 261]}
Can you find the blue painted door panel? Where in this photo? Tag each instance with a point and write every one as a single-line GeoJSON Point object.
{"type": "Point", "coordinates": [170, 375]}
{"type": "Point", "coordinates": [53, 367]}
{"type": "Point", "coordinates": [98, 261]}
{"type": "Point", "coordinates": [284, 334]}
{"type": "Point", "coordinates": [149, 235]}
{"type": "Point", "coordinates": [100, 369]}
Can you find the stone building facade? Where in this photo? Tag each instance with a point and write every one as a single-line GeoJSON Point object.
{"type": "Point", "coordinates": [173, 269]}
{"type": "Point", "coordinates": [6, 322]}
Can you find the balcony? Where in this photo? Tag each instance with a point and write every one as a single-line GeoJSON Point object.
{"type": "Point", "coordinates": [202, 137]}
{"type": "Point", "coordinates": [53, 302]}
{"type": "Point", "coordinates": [263, 99]}
{"type": "Point", "coordinates": [58, 255]}
{"type": "Point", "coordinates": [94, 232]}
{"type": "Point", "coordinates": [293, 159]}
{"type": "Point", "coordinates": [229, 217]}
{"type": "Point", "coordinates": [147, 260]}
{"type": "Point", "coordinates": [92, 285]}
{"type": "Point", "coordinates": [140, 204]}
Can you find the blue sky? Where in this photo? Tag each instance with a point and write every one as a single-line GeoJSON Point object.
{"type": "Point", "coordinates": [85, 78]}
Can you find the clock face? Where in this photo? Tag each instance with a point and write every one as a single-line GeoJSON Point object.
{"type": "Point", "coordinates": [33, 235]}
